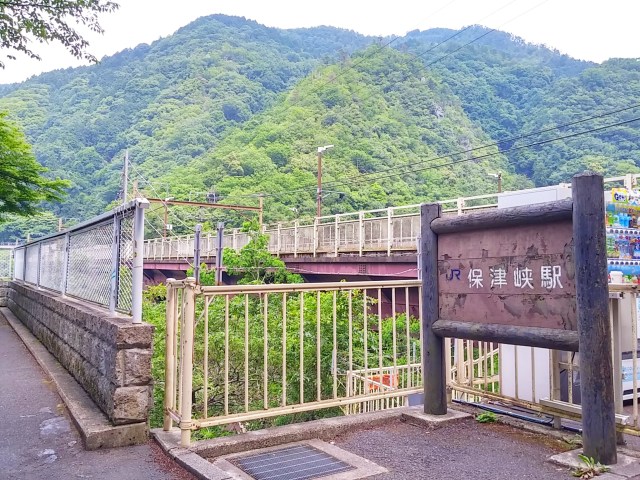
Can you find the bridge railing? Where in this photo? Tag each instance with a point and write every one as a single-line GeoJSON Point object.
{"type": "Point", "coordinates": [99, 260]}
{"type": "Point", "coordinates": [380, 231]}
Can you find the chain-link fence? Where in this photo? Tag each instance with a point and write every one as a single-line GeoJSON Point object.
{"type": "Point", "coordinates": [6, 262]}
{"type": "Point", "coordinates": [95, 261]}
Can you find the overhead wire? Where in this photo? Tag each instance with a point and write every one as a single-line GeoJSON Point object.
{"type": "Point", "coordinates": [467, 151]}
{"type": "Point", "coordinates": [530, 145]}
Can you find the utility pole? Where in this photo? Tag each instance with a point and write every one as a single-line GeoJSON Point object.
{"type": "Point", "coordinates": [166, 218]}
{"type": "Point", "coordinates": [60, 224]}
{"type": "Point", "coordinates": [499, 182]}
{"type": "Point", "coordinates": [261, 207]}
{"type": "Point", "coordinates": [125, 192]}
{"type": "Point", "coordinates": [321, 150]}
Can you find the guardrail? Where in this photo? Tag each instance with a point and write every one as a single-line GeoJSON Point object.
{"type": "Point", "coordinates": [99, 260]}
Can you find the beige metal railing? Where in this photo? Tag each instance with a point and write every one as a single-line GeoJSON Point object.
{"type": "Point", "coordinates": [349, 346]}
{"type": "Point", "coordinates": [255, 352]}
{"type": "Point", "coordinates": [242, 353]}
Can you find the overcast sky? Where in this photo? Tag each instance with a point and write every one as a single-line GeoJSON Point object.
{"type": "Point", "coordinates": [585, 29]}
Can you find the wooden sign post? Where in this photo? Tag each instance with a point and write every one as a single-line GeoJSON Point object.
{"type": "Point", "coordinates": [534, 275]}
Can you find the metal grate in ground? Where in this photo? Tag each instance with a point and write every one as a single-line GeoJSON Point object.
{"type": "Point", "coordinates": [300, 462]}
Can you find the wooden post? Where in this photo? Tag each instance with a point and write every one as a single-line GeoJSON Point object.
{"type": "Point", "coordinates": [433, 366]}
{"type": "Point", "coordinates": [592, 298]}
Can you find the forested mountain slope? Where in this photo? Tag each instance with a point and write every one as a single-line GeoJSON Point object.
{"type": "Point", "coordinates": [168, 102]}
{"type": "Point", "coordinates": [229, 105]}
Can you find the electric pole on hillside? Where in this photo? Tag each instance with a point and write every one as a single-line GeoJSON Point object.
{"type": "Point", "coordinates": [321, 150]}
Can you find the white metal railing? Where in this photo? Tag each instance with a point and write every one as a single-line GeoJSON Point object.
{"type": "Point", "coordinates": [96, 260]}
{"type": "Point", "coordinates": [393, 229]}
{"type": "Point", "coordinates": [387, 230]}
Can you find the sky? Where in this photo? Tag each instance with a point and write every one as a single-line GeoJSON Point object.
{"type": "Point", "coordinates": [585, 29]}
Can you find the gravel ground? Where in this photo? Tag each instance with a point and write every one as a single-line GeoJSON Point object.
{"type": "Point", "coordinates": [39, 441]}
{"type": "Point", "coordinates": [464, 450]}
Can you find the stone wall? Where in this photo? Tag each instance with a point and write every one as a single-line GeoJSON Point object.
{"type": "Point", "coordinates": [108, 355]}
{"type": "Point", "coordinates": [4, 291]}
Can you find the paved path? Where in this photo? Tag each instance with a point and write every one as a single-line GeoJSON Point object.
{"type": "Point", "coordinates": [457, 451]}
{"type": "Point", "coordinates": [38, 439]}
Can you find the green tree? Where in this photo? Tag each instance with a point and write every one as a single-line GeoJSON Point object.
{"type": "Point", "coordinates": [22, 21]}
{"type": "Point", "coordinates": [22, 186]}
{"type": "Point", "coordinates": [254, 263]}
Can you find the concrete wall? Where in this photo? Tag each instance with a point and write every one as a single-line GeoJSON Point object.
{"type": "Point", "coordinates": [108, 355]}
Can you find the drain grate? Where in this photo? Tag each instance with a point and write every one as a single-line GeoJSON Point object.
{"type": "Point", "coordinates": [301, 462]}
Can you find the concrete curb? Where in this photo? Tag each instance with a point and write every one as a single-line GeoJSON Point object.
{"type": "Point", "coordinates": [95, 429]}
{"type": "Point", "coordinates": [326, 429]}
{"type": "Point", "coordinates": [416, 416]}
{"type": "Point", "coordinates": [627, 467]}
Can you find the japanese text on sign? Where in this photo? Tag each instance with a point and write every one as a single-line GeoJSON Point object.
{"type": "Point", "coordinates": [523, 277]}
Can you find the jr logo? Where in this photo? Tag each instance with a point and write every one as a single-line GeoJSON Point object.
{"type": "Point", "coordinates": [454, 272]}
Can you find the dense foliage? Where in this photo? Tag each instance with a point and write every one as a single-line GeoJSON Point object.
{"type": "Point", "coordinates": [316, 353]}
{"type": "Point", "coordinates": [231, 106]}
{"type": "Point", "coordinates": [23, 21]}
{"type": "Point", "coordinates": [22, 185]}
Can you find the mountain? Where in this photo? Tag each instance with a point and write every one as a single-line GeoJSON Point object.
{"type": "Point", "coordinates": [167, 102]}
{"type": "Point", "coordinates": [228, 105]}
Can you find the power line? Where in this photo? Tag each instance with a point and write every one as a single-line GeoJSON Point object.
{"type": "Point", "coordinates": [530, 145]}
{"type": "Point", "coordinates": [362, 59]}
{"type": "Point", "coordinates": [486, 33]}
{"type": "Point", "coordinates": [503, 141]}
{"type": "Point", "coordinates": [463, 152]}
{"type": "Point", "coordinates": [420, 56]}
{"type": "Point", "coordinates": [430, 49]}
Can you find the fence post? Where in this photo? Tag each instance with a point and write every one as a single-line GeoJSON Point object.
{"type": "Point", "coordinates": [24, 264]}
{"type": "Point", "coordinates": [337, 233]}
{"type": "Point", "coordinates": [389, 230]}
{"type": "Point", "coordinates": [65, 264]}
{"type": "Point", "coordinates": [295, 239]}
{"type": "Point", "coordinates": [196, 253]}
{"type": "Point", "coordinates": [39, 263]}
{"type": "Point", "coordinates": [219, 253]}
{"type": "Point", "coordinates": [315, 236]}
{"type": "Point", "coordinates": [361, 234]}
{"type": "Point", "coordinates": [186, 367]}
{"type": "Point", "coordinates": [115, 265]}
{"type": "Point", "coordinates": [433, 355]}
{"type": "Point", "coordinates": [137, 275]}
{"type": "Point", "coordinates": [594, 330]}
{"type": "Point", "coordinates": [169, 361]}
{"type": "Point", "coordinates": [460, 204]}
{"type": "Point", "coordinates": [278, 245]}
